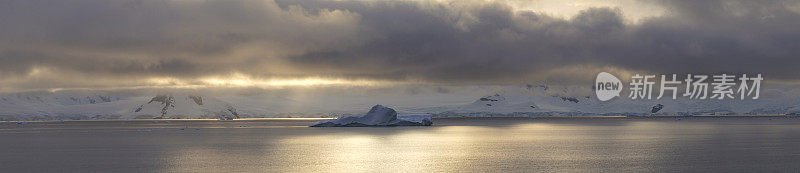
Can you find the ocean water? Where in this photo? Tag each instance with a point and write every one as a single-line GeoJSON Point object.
{"type": "Point", "coordinates": [728, 144]}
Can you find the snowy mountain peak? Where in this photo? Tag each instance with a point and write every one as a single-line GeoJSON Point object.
{"type": "Point", "coordinates": [167, 101]}
{"type": "Point", "coordinates": [492, 100]}
{"type": "Point", "coordinates": [197, 99]}
{"type": "Point", "coordinates": [169, 106]}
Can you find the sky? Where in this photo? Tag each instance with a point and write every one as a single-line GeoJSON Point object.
{"type": "Point", "coordinates": [153, 44]}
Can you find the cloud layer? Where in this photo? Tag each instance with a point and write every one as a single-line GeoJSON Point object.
{"type": "Point", "coordinates": [79, 43]}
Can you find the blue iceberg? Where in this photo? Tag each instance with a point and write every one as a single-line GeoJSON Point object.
{"type": "Point", "coordinates": [379, 115]}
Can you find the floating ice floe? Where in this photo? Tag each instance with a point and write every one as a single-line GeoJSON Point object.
{"type": "Point", "coordinates": [377, 116]}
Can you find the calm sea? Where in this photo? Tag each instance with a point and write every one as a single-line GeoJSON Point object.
{"type": "Point", "coordinates": [722, 144]}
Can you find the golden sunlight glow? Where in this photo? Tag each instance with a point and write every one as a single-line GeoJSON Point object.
{"type": "Point", "coordinates": [164, 81]}
{"type": "Point", "coordinates": [240, 80]}
{"type": "Point", "coordinates": [218, 81]}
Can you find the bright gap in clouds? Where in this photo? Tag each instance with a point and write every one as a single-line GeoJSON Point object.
{"type": "Point", "coordinates": [239, 81]}
{"type": "Point", "coordinates": [242, 80]}
{"type": "Point", "coordinates": [632, 10]}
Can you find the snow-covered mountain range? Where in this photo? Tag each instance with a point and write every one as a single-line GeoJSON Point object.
{"type": "Point", "coordinates": [506, 101]}
{"type": "Point", "coordinates": [539, 101]}
{"type": "Point", "coordinates": [38, 107]}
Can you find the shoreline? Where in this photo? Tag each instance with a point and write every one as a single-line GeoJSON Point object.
{"type": "Point", "coordinates": [267, 119]}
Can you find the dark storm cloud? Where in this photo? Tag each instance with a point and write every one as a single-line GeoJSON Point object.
{"type": "Point", "coordinates": [493, 43]}
{"type": "Point", "coordinates": [129, 40]}
{"type": "Point", "coordinates": [719, 36]}
{"type": "Point", "coordinates": [464, 42]}
{"type": "Point", "coordinates": [502, 45]}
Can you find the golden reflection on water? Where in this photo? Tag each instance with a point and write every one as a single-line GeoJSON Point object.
{"type": "Point", "coordinates": [405, 150]}
{"type": "Point", "coordinates": [515, 146]}
{"type": "Point", "coordinates": [419, 149]}
{"type": "Point", "coordinates": [660, 144]}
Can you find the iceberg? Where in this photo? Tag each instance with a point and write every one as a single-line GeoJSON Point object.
{"type": "Point", "coordinates": [379, 115]}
